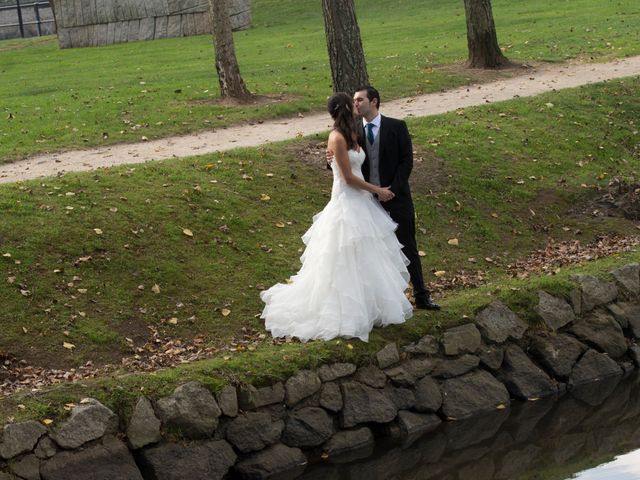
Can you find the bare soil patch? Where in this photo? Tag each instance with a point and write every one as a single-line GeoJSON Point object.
{"type": "Point", "coordinates": [622, 199]}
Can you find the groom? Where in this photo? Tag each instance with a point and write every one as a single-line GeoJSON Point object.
{"type": "Point", "coordinates": [389, 162]}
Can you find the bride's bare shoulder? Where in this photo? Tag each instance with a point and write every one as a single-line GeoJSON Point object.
{"type": "Point", "coordinates": [336, 138]}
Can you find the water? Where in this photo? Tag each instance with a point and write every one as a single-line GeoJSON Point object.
{"type": "Point", "coordinates": [592, 433]}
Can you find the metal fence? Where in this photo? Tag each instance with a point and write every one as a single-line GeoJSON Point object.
{"type": "Point", "coordinates": [26, 19]}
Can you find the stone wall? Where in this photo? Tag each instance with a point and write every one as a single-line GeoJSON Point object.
{"type": "Point", "coordinates": [340, 409]}
{"type": "Point", "coordinates": [89, 23]}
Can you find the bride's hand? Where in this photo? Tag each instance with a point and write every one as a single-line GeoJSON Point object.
{"type": "Point", "coordinates": [385, 194]}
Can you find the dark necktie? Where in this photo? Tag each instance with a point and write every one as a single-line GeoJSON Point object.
{"type": "Point", "coordinates": [370, 133]}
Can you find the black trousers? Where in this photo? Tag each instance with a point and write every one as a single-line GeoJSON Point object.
{"type": "Point", "coordinates": [404, 216]}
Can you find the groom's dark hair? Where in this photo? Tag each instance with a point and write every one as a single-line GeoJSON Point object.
{"type": "Point", "coordinates": [371, 93]}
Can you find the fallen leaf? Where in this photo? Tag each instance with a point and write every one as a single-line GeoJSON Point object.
{"type": "Point", "coordinates": [422, 253]}
{"type": "Point", "coordinates": [453, 241]}
{"type": "Point", "coordinates": [225, 312]}
{"type": "Point", "coordinates": [98, 231]}
{"type": "Point", "coordinates": [173, 321]}
{"type": "Point", "coordinates": [47, 421]}
{"type": "Point", "coordinates": [280, 225]}
{"type": "Point", "coordinates": [264, 197]}
{"type": "Point", "coordinates": [187, 232]}
{"type": "Point", "coordinates": [439, 273]}
{"type": "Point", "coordinates": [156, 288]}
{"type": "Point", "coordinates": [68, 346]}
{"type": "Point", "coordinates": [25, 330]}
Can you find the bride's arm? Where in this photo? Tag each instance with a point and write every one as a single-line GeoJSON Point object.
{"type": "Point", "coordinates": [338, 145]}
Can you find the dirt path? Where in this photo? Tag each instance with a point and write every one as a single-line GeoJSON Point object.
{"type": "Point", "coordinates": [533, 81]}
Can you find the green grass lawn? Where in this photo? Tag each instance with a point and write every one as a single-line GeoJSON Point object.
{"type": "Point", "coordinates": [54, 99]}
{"type": "Point", "coordinates": [82, 254]}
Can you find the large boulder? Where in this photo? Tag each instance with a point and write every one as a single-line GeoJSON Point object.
{"type": "Point", "coordinates": [250, 397]}
{"type": "Point", "coordinates": [107, 460]}
{"type": "Point", "coordinates": [191, 409]}
{"type": "Point", "coordinates": [363, 404]}
{"type": "Point", "coordinates": [300, 386]}
{"type": "Point", "coordinates": [491, 356]}
{"type": "Point", "coordinates": [471, 394]}
{"type": "Point", "coordinates": [372, 376]}
{"type": "Point", "coordinates": [427, 345]}
{"type": "Point", "coordinates": [461, 339]}
{"type": "Point", "coordinates": [26, 467]}
{"type": "Point", "coordinates": [628, 277]}
{"type": "Point", "coordinates": [522, 377]}
{"type": "Point", "coordinates": [498, 323]}
{"type": "Point", "coordinates": [388, 356]}
{"type": "Point", "coordinates": [88, 421]}
{"type": "Point", "coordinates": [594, 292]}
{"type": "Point", "coordinates": [253, 431]}
{"type": "Point", "coordinates": [17, 438]}
{"type": "Point", "coordinates": [227, 399]}
{"type": "Point", "coordinates": [414, 425]}
{"type": "Point", "coordinates": [627, 314]}
{"type": "Point", "coordinates": [601, 330]}
{"type": "Point", "coordinates": [328, 373]}
{"type": "Point", "coordinates": [447, 368]}
{"type": "Point", "coordinates": [210, 459]}
{"type": "Point", "coordinates": [593, 366]}
{"type": "Point", "coordinates": [557, 353]}
{"type": "Point", "coordinates": [428, 395]}
{"type": "Point", "coordinates": [331, 397]}
{"type": "Point", "coordinates": [144, 426]}
{"type": "Point", "coordinates": [555, 312]}
{"type": "Point", "coordinates": [347, 441]}
{"type": "Point", "coordinates": [278, 461]}
{"type": "Point", "coordinates": [307, 427]}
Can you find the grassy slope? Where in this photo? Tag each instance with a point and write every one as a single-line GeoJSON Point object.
{"type": "Point", "coordinates": [465, 187]}
{"type": "Point", "coordinates": [59, 99]}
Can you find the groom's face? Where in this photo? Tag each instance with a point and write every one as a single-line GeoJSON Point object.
{"type": "Point", "coordinates": [362, 105]}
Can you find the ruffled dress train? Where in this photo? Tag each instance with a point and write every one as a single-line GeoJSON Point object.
{"type": "Point", "coordinates": [353, 274]}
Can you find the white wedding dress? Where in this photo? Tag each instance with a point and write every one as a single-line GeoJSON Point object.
{"type": "Point", "coordinates": [353, 274]}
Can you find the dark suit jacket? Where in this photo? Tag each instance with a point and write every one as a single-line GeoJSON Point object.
{"type": "Point", "coordinates": [395, 164]}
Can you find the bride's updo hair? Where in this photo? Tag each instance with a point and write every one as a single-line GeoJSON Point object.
{"type": "Point", "coordinates": [340, 107]}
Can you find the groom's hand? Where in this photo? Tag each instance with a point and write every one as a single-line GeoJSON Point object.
{"type": "Point", "coordinates": [329, 157]}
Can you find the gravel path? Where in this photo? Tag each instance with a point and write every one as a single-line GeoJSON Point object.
{"type": "Point", "coordinates": [533, 81]}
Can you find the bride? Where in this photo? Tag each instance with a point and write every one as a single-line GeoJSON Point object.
{"type": "Point", "coordinates": [353, 273]}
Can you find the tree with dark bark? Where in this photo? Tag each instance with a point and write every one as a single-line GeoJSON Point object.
{"type": "Point", "coordinates": [231, 83]}
{"type": "Point", "coordinates": [482, 40]}
{"type": "Point", "coordinates": [346, 56]}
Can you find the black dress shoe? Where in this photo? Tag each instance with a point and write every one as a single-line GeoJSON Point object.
{"type": "Point", "coordinates": [426, 304]}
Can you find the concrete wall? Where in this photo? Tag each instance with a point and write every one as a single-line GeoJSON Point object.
{"type": "Point", "coordinates": [88, 23]}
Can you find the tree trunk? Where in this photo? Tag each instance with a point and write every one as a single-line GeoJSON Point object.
{"type": "Point", "coordinates": [346, 56]}
{"type": "Point", "coordinates": [231, 83]}
{"type": "Point", "coordinates": [482, 40]}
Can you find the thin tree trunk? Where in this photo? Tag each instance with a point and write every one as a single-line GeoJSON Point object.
{"type": "Point", "coordinates": [231, 83]}
{"type": "Point", "coordinates": [346, 56]}
{"type": "Point", "coordinates": [482, 40]}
